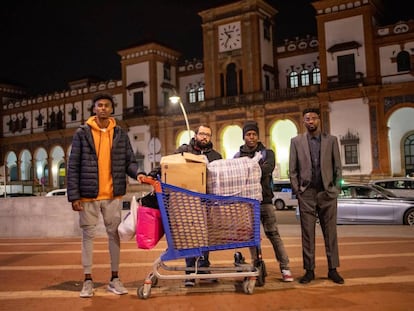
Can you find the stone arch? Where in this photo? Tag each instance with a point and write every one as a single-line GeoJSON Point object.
{"type": "Point", "coordinates": [41, 169]}
{"type": "Point", "coordinates": [231, 140]}
{"type": "Point", "coordinates": [11, 166]}
{"type": "Point", "coordinates": [184, 137]}
{"type": "Point", "coordinates": [25, 163]}
{"type": "Point", "coordinates": [57, 157]}
{"type": "Point", "coordinates": [281, 132]}
{"type": "Point", "coordinates": [399, 125]}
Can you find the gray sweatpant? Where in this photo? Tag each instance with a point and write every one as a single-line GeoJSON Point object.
{"type": "Point", "coordinates": [88, 220]}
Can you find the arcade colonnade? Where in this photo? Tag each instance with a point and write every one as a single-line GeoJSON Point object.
{"type": "Point", "coordinates": [47, 169]}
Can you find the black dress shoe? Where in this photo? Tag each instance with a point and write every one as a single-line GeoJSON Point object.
{"type": "Point", "coordinates": [334, 276]}
{"type": "Point", "coordinates": [308, 277]}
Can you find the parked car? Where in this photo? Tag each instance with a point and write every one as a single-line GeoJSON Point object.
{"type": "Point", "coordinates": [283, 197]}
{"type": "Point", "coordinates": [400, 186]}
{"type": "Point", "coordinates": [370, 204]}
{"type": "Point", "coordinates": [56, 192]}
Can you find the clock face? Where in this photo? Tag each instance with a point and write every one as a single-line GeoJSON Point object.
{"type": "Point", "coordinates": [229, 37]}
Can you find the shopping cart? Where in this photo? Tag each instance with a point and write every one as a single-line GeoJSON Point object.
{"type": "Point", "coordinates": [196, 222]}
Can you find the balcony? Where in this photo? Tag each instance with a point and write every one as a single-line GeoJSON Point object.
{"type": "Point", "coordinates": [243, 100]}
{"type": "Point", "coordinates": [344, 82]}
{"type": "Point", "coordinates": [134, 112]}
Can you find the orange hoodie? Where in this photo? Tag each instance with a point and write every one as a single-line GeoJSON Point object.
{"type": "Point", "coordinates": [103, 145]}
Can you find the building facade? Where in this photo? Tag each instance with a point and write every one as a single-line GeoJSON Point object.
{"type": "Point", "coordinates": [358, 72]}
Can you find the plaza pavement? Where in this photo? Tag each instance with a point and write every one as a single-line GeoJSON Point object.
{"type": "Point", "coordinates": [377, 263]}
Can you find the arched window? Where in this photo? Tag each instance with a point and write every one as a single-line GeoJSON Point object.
{"type": "Point", "coordinates": [316, 76]}
{"type": "Point", "coordinates": [403, 61]}
{"type": "Point", "coordinates": [293, 79]}
{"type": "Point", "coordinates": [26, 172]}
{"type": "Point", "coordinates": [167, 71]}
{"type": "Point", "coordinates": [304, 77]}
{"type": "Point", "coordinates": [200, 94]}
{"type": "Point", "coordinates": [409, 154]}
{"type": "Point", "coordinates": [192, 96]}
{"type": "Point", "coordinates": [231, 80]}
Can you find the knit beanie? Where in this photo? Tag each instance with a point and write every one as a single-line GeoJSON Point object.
{"type": "Point", "coordinates": [250, 126]}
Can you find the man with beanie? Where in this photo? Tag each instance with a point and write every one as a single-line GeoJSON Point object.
{"type": "Point", "coordinates": [100, 158]}
{"type": "Point", "coordinates": [251, 146]}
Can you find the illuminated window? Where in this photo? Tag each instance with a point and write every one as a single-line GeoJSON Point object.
{"type": "Point", "coordinates": [293, 79]}
{"type": "Point", "coordinates": [350, 145]}
{"type": "Point", "coordinates": [192, 96]}
{"type": "Point", "coordinates": [200, 94]}
{"type": "Point", "coordinates": [316, 76]}
{"type": "Point", "coordinates": [304, 77]}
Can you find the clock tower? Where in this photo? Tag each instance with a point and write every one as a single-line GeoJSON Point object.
{"type": "Point", "coordinates": [238, 48]}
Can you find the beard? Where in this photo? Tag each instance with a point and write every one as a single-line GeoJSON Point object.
{"type": "Point", "coordinates": [202, 144]}
{"type": "Point", "coordinates": [311, 128]}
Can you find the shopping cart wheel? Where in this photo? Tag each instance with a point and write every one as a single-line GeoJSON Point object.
{"type": "Point", "coordinates": [154, 279]}
{"type": "Point", "coordinates": [261, 268]}
{"type": "Point", "coordinates": [144, 291]}
{"type": "Point", "coordinates": [248, 285]}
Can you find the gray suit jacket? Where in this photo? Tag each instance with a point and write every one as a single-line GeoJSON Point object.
{"type": "Point", "coordinates": [300, 165]}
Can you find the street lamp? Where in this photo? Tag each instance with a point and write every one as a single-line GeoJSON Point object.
{"type": "Point", "coordinates": [177, 99]}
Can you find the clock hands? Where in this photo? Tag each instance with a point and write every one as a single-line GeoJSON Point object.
{"type": "Point", "coordinates": [228, 34]}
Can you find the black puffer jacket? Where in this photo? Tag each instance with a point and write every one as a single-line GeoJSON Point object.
{"type": "Point", "coordinates": [267, 165]}
{"type": "Point", "coordinates": [82, 178]}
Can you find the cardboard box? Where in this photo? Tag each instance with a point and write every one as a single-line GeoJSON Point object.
{"type": "Point", "coordinates": [185, 170]}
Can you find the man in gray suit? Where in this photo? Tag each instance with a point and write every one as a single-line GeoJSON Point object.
{"type": "Point", "coordinates": [316, 173]}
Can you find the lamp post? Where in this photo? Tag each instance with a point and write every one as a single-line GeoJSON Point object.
{"type": "Point", "coordinates": [177, 99]}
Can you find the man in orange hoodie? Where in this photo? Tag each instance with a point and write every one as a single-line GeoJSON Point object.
{"type": "Point", "coordinates": [100, 158]}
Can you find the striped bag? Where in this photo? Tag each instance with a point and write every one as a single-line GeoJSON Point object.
{"type": "Point", "coordinates": [235, 177]}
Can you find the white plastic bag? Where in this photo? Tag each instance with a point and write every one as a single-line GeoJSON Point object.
{"type": "Point", "coordinates": [128, 225]}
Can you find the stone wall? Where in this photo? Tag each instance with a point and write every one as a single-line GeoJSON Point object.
{"type": "Point", "coordinates": [40, 217]}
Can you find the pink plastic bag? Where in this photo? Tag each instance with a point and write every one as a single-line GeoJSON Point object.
{"type": "Point", "coordinates": [149, 227]}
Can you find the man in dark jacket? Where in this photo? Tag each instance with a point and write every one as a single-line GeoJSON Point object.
{"type": "Point", "coordinates": [100, 158]}
{"type": "Point", "coordinates": [251, 146]}
{"type": "Point", "coordinates": [200, 144]}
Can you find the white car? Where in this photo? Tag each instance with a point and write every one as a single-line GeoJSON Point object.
{"type": "Point", "coordinates": [400, 186]}
{"type": "Point", "coordinates": [283, 196]}
{"type": "Point", "coordinates": [56, 192]}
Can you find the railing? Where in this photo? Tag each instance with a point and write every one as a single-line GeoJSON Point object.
{"type": "Point", "coordinates": [337, 82]}
{"type": "Point", "coordinates": [246, 99]}
{"type": "Point", "coordinates": [133, 112]}
{"type": "Point", "coordinates": [54, 126]}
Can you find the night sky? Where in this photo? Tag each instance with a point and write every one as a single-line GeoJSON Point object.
{"type": "Point", "coordinates": [47, 43]}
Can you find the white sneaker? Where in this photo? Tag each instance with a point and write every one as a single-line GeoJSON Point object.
{"type": "Point", "coordinates": [117, 287]}
{"type": "Point", "coordinates": [287, 276]}
{"type": "Point", "coordinates": [87, 289]}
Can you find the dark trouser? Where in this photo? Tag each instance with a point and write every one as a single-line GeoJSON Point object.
{"type": "Point", "coordinates": [268, 219]}
{"type": "Point", "coordinates": [313, 204]}
{"type": "Point", "coordinates": [203, 262]}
